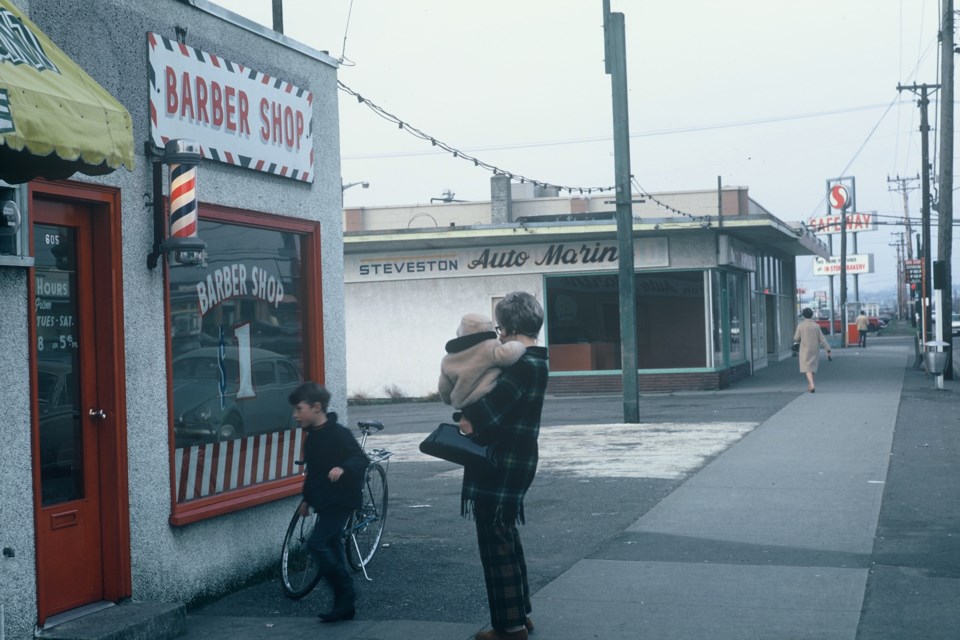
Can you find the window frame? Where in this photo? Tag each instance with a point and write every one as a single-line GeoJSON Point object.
{"type": "Point", "coordinates": [311, 299]}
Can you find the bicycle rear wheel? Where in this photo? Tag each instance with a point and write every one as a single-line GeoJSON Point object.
{"type": "Point", "coordinates": [299, 573]}
{"type": "Point", "coordinates": [365, 527]}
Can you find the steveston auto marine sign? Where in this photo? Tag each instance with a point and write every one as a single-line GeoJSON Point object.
{"type": "Point", "coordinates": [238, 115]}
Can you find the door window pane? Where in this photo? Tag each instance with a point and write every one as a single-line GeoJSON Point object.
{"type": "Point", "coordinates": [58, 365]}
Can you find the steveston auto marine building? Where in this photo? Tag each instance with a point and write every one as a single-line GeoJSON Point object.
{"type": "Point", "coordinates": [148, 447]}
{"type": "Point", "coordinates": [714, 285]}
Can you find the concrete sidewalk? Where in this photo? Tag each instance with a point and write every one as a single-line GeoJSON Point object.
{"type": "Point", "coordinates": [771, 540]}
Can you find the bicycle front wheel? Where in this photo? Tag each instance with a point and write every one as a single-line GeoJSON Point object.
{"type": "Point", "coordinates": [365, 528]}
{"type": "Point", "coordinates": [299, 572]}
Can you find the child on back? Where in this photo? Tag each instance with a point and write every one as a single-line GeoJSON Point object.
{"type": "Point", "coordinates": [474, 360]}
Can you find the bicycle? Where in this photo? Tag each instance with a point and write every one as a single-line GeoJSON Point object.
{"type": "Point", "coordinates": [299, 574]}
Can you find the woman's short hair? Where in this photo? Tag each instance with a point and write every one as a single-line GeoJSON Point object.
{"type": "Point", "coordinates": [311, 393]}
{"type": "Point", "coordinates": [519, 313]}
{"type": "Point", "coordinates": [808, 313]}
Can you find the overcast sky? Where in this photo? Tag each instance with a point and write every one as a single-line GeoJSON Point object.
{"type": "Point", "coordinates": [775, 96]}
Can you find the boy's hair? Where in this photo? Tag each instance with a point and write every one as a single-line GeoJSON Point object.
{"type": "Point", "coordinates": [310, 392]}
{"type": "Point", "coordinates": [808, 313]}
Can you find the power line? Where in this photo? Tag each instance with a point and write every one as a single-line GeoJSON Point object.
{"type": "Point", "coordinates": [458, 153]}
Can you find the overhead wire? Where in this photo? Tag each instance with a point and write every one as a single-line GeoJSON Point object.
{"type": "Point", "coordinates": [459, 153]}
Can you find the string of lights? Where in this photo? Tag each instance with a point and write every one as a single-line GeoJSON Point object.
{"type": "Point", "coordinates": [457, 153]}
{"type": "Point", "coordinates": [646, 194]}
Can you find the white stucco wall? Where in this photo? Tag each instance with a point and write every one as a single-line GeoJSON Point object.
{"type": "Point", "coordinates": [398, 329]}
{"type": "Point", "coordinates": [108, 39]}
{"type": "Point", "coordinates": [17, 577]}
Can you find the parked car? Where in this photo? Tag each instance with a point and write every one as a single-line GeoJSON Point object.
{"type": "Point", "coordinates": [825, 325]}
{"type": "Point", "coordinates": [204, 413]}
{"type": "Point", "coordinates": [955, 324]}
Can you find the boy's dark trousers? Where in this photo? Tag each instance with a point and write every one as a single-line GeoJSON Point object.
{"type": "Point", "coordinates": [326, 545]}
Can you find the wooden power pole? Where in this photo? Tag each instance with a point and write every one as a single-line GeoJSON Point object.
{"type": "Point", "coordinates": [945, 200]}
{"type": "Point", "coordinates": [614, 41]}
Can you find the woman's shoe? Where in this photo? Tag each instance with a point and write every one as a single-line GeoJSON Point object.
{"type": "Point", "coordinates": [336, 615]}
{"type": "Point", "coordinates": [493, 634]}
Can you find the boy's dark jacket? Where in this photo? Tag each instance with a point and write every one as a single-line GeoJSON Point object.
{"type": "Point", "coordinates": [326, 447]}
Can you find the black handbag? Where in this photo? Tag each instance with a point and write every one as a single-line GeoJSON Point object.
{"type": "Point", "coordinates": [795, 347]}
{"type": "Point", "coordinates": [447, 443]}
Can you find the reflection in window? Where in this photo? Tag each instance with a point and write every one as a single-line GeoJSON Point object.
{"type": "Point", "coordinates": [238, 345]}
{"type": "Point", "coordinates": [58, 365]}
{"type": "Point", "coordinates": [584, 321]}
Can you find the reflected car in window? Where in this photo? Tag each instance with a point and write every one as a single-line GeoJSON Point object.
{"type": "Point", "coordinates": [224, 400]}
{"type": "Point", "coordinates": [59, 431]}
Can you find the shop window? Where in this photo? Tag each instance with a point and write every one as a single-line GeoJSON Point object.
{"type": "Point", "coordinates": [584, 321]}
{"type": "Point", "coordinates": [245, 331]}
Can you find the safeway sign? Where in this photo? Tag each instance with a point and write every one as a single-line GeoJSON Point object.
{"type": "Point", "coordinates": [856, 263]}
{"type": "Point", "coordinates": [856, 222]}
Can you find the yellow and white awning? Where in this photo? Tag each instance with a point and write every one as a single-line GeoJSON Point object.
{"type": "Point", "coordinates": [55, 120]}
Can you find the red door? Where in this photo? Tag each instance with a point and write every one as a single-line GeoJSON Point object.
{"type": "Point", "coordinates": [70, 418]}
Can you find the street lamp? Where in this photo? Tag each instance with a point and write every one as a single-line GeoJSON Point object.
{"type": "Point", "coordinates": [363, 185]}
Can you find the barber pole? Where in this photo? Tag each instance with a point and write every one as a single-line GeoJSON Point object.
{"type": "Point", "coordinates": [183, 201]}
{"type": "Point", "coordinates": [182, 157]}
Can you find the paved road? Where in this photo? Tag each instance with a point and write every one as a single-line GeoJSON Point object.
{"type": "Point", "coordinates": [836, 517]}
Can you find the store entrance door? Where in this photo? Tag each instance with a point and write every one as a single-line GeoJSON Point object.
{"type": "Point", "coordinates": [76, 410]}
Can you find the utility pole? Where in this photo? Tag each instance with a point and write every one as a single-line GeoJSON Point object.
{"type": "Point", "coordinates": [278, 16]}
{"type": "Point", "coordinates": [923, 103]}
{"type": "Point", "coordinates": [904, 187]}
{"type": "Point", "coordinates": [615, 61]}
{"type": "Point", "coordinates": [945, 199]}
{"type": "Point", "coordinates": [900, 292]}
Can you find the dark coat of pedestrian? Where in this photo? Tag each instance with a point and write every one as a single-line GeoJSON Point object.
{"type": "Point", "coordinates": [508, 417]}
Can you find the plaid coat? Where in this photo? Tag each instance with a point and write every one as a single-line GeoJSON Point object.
{"type": "Point", "coordinates": [509, 418]}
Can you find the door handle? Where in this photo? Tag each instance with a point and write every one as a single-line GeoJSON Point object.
{"type": "Point", "coordinates": [97, 414]}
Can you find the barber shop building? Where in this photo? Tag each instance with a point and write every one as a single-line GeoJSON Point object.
{"type": "Point", "coordinates": [714, 285]}
{"type": "Point", "coordinates": [171, 267]}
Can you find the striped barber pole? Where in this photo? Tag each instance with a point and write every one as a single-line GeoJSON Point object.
{"type": "Point", "coordinates": [209, 469]}
{"type": "Point", "coordinates": [183, 200]}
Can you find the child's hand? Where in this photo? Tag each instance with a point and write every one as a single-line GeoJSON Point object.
{"type": "Point", "coordinates": [335, 474]}
{"type": "Point", "coordinates": [465, 427]}
{"type": "Point", "coordinates": [304, 509]}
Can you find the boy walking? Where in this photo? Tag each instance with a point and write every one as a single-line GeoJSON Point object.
{"type": "Point", "coordinates": [332, 488]}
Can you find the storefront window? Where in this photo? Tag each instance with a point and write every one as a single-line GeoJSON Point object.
{"type": "Point", "coordinates": [240, 341]}
{"type": "Point", "coordinates": [736, 312]}
{"type": "Point", "coordinates": [584, 321]}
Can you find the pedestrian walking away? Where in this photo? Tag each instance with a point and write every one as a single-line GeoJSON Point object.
{"type": "Point", "coordinates": [508, 417]}
{"type": "Point", "coordinates": [810, 337]}
{"type": "Point", "coordinates": [332, 488]}
{"type": "Point", "coordinates": [863, 325]}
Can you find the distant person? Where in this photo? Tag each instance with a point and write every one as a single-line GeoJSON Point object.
{"type": "Point", "coordinates": [474, 360]}
{"type": "Point", "coordinates": [335, 468]}
{"type": "Point", "coordinates": [810, 337]}
{"type": "Point", "coordinates": [508, 418]}
{"type": "Point", "coordinates": [863, 325]}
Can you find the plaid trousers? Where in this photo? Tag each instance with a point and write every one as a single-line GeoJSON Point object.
{"type": "Point", "coordinates": [505, 573]}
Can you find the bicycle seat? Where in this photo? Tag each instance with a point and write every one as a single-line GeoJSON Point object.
{"type": "Point", "coordinates": [370, 425]}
